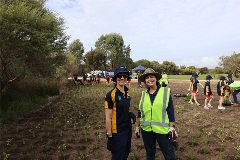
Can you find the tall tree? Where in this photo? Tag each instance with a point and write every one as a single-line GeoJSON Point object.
{"type": "Point", "coordinates": [116, 53]}
{"type": "Point", "coordinates": [143, 62]}
{"type": "Point", "coordinates": [204, 70]}
{"type": "Point", "coordinates": [94, 59]}
{"type": "Point", "coordinates": [156, 66]}
{"type": "Point", "coordinates": [32, 40]}
{"type": "Point", "coordinates": [169, 67]}
{"type": "Point", "coordinates": [231, 64]}
{"type": "Point", "coordinates": [77, 49]}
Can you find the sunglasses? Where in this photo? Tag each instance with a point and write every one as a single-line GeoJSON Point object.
{"type": "Point", "coordinates": [121, 75]}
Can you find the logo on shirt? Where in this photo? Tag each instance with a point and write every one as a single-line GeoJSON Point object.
{"type": "Point", "coordinates": [119, 98]}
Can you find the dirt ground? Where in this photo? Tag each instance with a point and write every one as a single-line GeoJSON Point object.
{"type": "Point", "coordinates": [72, 126]}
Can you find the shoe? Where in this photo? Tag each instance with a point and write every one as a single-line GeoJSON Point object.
{"type": "Point", "coordinates": [190, 102]}
{"type": "Point", "coordinates": [235, 105]}
{"type": "Point", "coordinates": [221, 107]}
{"type": "Point", "coordinates": [209, 106]}
{"type": "Point", "coordinates": [205, 107]}
{"type": "Point", "coordinates": [198, 104]}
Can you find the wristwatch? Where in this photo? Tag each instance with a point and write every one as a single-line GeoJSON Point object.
{"type": "Point", "coordinates": [109, 134]}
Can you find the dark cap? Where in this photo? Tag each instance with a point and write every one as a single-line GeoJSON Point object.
{"type": "Point", "coordinates": [120, 69]}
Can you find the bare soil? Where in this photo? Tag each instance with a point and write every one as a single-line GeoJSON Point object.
{"type": "Point", "coordinates": [72, 126]}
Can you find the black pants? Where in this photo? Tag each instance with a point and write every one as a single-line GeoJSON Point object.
{"type": "Point", "coordinates": [164, 142]}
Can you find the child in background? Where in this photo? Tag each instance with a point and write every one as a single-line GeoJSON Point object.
{"type": "Point", "coordinates": [129, 81]}
{"type": "Point", "coordinates": [139, 82]}
{"type": "Point", "coordinates": [107, 79]}
{"type": "Point", "coordinates": [208, 92]}
{"type": "Point", "coordinates": [194, 89]}
{"type": "Point", "coordinates": [221, 91]}
{"type": "Point", "coordinates": [230, 81]}
{"type": "Point", "coordinates": [98, 78]}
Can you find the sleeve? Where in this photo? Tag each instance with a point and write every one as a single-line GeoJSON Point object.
{"type": "Point", "coordinates": [170, 110]}
{"type": "Point", "coordinates": [108, 103]}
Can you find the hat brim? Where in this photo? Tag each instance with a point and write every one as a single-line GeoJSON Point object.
{"type": "Point", "coordinates": [143, 76]}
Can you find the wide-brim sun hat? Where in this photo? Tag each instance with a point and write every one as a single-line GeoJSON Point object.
{"type": "Point", "coordinates": [120, 69]}
{"type": "Point", "coordinates": [149, 71]}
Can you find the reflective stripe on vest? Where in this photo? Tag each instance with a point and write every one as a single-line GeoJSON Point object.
{"type": "Point", "coordinates": [164, 113]}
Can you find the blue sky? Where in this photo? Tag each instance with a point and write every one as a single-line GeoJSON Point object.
{"type": "Point", "coordinates": [186, 32]}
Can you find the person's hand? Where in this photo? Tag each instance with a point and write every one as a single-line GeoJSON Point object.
{"type": "Point", "coordinates": [110, 144]}
{"type": "Point", "coordinates": [173, 132]}
{"type": "Point", "coordinates": [137, 132]}
{"type": "Point", "coordinates": [188, 89]}
{"type": "Point", "coordinates": [133, 117]}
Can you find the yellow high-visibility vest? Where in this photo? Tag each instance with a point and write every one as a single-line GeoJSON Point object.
{"type": "Point", "coordinates": [154, 116]}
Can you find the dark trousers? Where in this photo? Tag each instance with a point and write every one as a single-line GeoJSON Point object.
{"type": "Point", "coordinates": [123, 144]}
{"type": "Point", "coordinates": [166, 145]}
{"type": "Point", "coordinates": [234, 94]}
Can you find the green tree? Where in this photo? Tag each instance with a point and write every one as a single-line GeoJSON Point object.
{"type": "Point", "coordinates": [204, 70]}
{"type": "Point", "coordinates": [32, 40]}
{"type": "Point", "coordinates": [169, 67]}
{"type": "Point", "coordinates": [217, 70]}
{"type": "Point", "coordinates": [77, 49]}
{"type": "Point", "coordinates": [156, 66]}
{"type": "Point", "coordinates": [231, 64]}
{"type": "Point", "coordinates": [188, 71]}
{"type": "Point", "coordinates": [115, 52]}
{"type": "Point", "coordinates": [143, 62]}
{"type": "Point", "coordinates": [94, 59]}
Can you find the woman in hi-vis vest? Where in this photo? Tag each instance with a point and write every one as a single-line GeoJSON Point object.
{"type": "Point", "coordinates": [156, 118]}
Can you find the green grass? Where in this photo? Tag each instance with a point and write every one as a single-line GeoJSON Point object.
{"type": "Point", "coordinates": [25, 96]}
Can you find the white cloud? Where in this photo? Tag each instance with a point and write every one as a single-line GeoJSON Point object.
{"type": "Point", "coordinates": [177, 30]}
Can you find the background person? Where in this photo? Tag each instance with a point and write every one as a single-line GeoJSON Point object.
{"type": "Point", "coordinates": [235, 86]}
{"type": "Point", "coordinates": [208, 93]}
{"type": "Point", "coordinates": [156, 117]}
{"type": "Point", "coordinates": [221, 92]}
{"type": "Point", "coordinates": [129, 82]}
{"type": "Point", "coordinates": [194, 88]}
{"type": "Point", "coordinates": [139, 82]}
{"type": "Point", "coordinates": [230, 81]}
{"type": "Point", "coordinates": [118, 117]}
{"type": "Point", "coordinates": [164, 80]}
{"type": "Point", "coordinates": [107, 79]}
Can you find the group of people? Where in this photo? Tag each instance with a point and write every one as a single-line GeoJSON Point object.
{"type": "Point", "coordinates": [154, 121]}
{"type": "Point", "coordinates": [92, 79]}
{"type": "Point", "coordinates": [225, 88]}
{"type": "Point", "coordinates": [155, 118]}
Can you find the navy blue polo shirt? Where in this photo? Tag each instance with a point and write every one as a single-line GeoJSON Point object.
{"type": "Point", "coordinates": [119, 103]}
{"type": "Point", "coordinates": [194, 82]}
{"type": "Point", "coordinates": [207, 85]}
